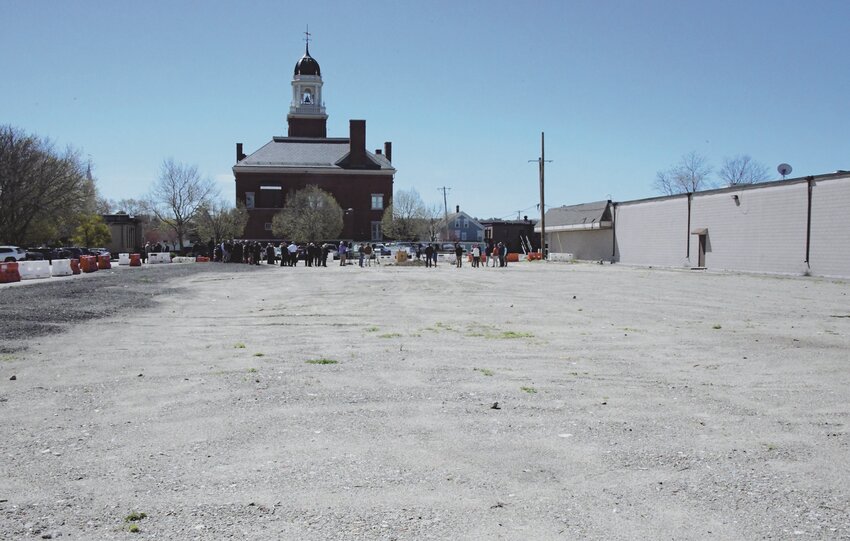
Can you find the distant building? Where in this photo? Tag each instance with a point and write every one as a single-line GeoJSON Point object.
{"type": "Point", "coordinates": [795, 226]}
{"type": "Point", "coordinates": [460, 227]}
{"type": "Point", "coordinates": [517, 235]}
{"type": "Point", "coordinates": [361, 181]}
{"type": "Point", "coordinates": [127, 233]}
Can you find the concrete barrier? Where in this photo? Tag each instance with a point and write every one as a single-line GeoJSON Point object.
{"type": "Point", "coordinates": [34, 269]}
{"type": "Point", "coordinates": [183, 259]}
{"type": "Point", "coordinates": [560, 257]}
{"type": "Point", "coordinates": [123, 259]}
{"type": "Point", "coordinates": [61, 267]}
{"type": "Point", "coordinates": [159, 257]}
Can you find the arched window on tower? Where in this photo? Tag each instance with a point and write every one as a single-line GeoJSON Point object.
{"type": "Point", "coordinates": [307, 97]}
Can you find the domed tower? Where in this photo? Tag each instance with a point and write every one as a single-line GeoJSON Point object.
{"type": "Point", "coordinates": [307, 117]}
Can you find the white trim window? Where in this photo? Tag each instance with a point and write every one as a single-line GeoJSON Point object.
{"type": "Point", "coordinates": [249, 200]}
{"type": "Point", "coordinates": [377, 201]}
{"type": "Point", "coordinates": [377, 234]}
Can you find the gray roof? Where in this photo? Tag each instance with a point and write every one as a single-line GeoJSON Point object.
{"type": "Point", "coordinates": [285, 152]}
{"type": "Point", "coordinates": [585, 213]}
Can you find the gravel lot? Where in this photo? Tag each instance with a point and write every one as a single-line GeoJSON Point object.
{"type": "Point", "coordinates": [540, 401]}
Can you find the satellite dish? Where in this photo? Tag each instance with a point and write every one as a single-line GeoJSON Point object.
{"type": "Point", "coordinates": [784, 169]}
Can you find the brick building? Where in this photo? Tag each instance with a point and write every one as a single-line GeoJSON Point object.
{"type": "Point", "coordinates": [361, 181]}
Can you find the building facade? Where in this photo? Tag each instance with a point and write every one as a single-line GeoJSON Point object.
{"type": "Point", "coordinates": [361, 181]}
{"type": "Point", "coordinates": [795, 226]}
{"type": "Point", "coordinates": [517, 235]}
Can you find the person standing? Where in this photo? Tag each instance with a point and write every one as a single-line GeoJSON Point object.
{"type": "Point", "coordinates": [292, 250]}
{"type": "Point", "coordinates": [458, 255]}
{"type": "Point", "coordinates": [343, 251]}
{"type": "Point", "coordinates": [476, 256]}
{"type": "Point", "coordinates": [367, 254]}
{"type": "Point", "coordinates": [361, 253]}
{"type": "Point", "coordinates": [429, 251]}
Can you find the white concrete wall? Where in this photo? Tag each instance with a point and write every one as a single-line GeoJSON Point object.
{"type": "Point", "coordinates": [653, 232]}
{"type": "Point", "coordinates": [764, 232]}
{"type": "Point", "coordinates": [591, 245]}
{"type": "Point", "coordinates": [829, 253]}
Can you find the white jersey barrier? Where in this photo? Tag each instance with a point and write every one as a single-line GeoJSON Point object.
{"type": "Point", "coordinates": [560, 257]}
{"type": "Point", "coordinates": [183, 259]}
{"type": "Point", "coordinates": [61, 267]}
{"type": "Point", "coordinates": [123, 259]}
{"type": "Point", "coordinates": [34, 269]}
{"type": "Point", "coordinates": [159, 257]}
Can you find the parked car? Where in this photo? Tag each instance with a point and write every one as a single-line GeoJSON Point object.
{"type": "Point", "coordinates": [46, 253]}
{"type": "Point", "coordinates": [33, 255]}
{"type": "Point", "coordinates": [99, 251]}
{"type": "Point", "coordinates": [12, 253]}
{"type": "Point", "coordinates": [74, 252]}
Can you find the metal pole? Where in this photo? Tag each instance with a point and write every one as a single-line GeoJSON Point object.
{"type": "Point", "coordinates": [542, 198]}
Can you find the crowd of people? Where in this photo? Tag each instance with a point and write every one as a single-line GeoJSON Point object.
{"type": "Point", "coordinates": [288, 254]}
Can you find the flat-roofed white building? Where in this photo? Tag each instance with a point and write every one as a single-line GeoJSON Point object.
{"type": "Point", "coordinates": [793, 226]}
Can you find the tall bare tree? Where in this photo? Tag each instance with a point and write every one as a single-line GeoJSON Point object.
{"type": "Point", "coordinates": [406, 218]}
{"type": "Point", "coordinates": [690, 175]}
{"type": "Point", "coordinates": [434, 222]}
{"type": "Point", "coordinates": [219, 220]}
{"type": "Point", "coordinates": [177, 195]}
{"type": "Point", "coordinates": [311, 214]}
{"type": "Point", "coordinates": [40, 188]}
{"type": "Point", "coordinates": [742, 169]}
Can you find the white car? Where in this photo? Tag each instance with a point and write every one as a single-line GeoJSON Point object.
{"type": "Point", "coordinates": [12, 253]}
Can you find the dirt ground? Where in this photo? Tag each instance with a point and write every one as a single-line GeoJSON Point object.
{"type": "Point", "coordinates": [540, 401]}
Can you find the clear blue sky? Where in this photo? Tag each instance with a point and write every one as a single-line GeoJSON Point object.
{"type": "Point", "coordinates": [462, 89]}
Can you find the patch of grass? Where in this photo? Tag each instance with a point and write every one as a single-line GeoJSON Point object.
{"type": "Point", "coordinates": [321, 361]}
{"type": "Point", "coordinates": [771, 446]}
{"type": "Point", "coordinates": [135, 517]}
{"type": "Point", "coordinates": [510, 335]}
{"type": "Point", "coordinates": [239, 345]}
{"type": "Point", "coordinates": [371, 329]}
{"type": "Point", "coordinates": [390, 335]}
{"type": "Point", "coordinates": [529, 390]}
{"type": "Point", "coordinates": [5, 357]}
{"type": "Point", "coordinates": [484, 371]}
{"type": "Point", "coordinates": [252, 370]}
{"type": "Point", "coordinates": [259, 354]}
{"type": "Point", "coordinates": [716, 326]}
{"type": "Point", "coordinates": [134, 528]}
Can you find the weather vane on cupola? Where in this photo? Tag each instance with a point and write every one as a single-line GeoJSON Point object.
{"type": "Point", "coordinates": [307, 35]}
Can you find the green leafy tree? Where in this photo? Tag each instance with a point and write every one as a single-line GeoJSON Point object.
{"type": "Point", "coordinates": [41, 190]}
{"type": "Point", "coordinates": [310, 214]}
{"type": "Point", "coordinates": [92, 231]}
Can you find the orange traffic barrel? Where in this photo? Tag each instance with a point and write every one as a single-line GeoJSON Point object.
{"type": "Point", "coordinates": [9, 272]}
{"type": "Point", "coordinates": [135, 260]}
{"type": "Point", "coordinates": [75, 266]}
{"type": "Point", "coordinates": [88, 263]}
{"type": "Point", "coordinates": [104, 262]}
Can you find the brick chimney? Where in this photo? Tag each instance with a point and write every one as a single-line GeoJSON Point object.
{"type": "Point", "coordinates": [388, 151]}
{"type": "Point", "coordinates": [457, 209]}
{"type": "Point", "coordinates": [357, 138]}
{"type": "Point", "coordinates": [239, 154]}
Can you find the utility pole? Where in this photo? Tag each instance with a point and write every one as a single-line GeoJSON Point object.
{"type": "Point", "coordinates": [445, 190]}
{"type": "Point", "coordinates": [542, 166]}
